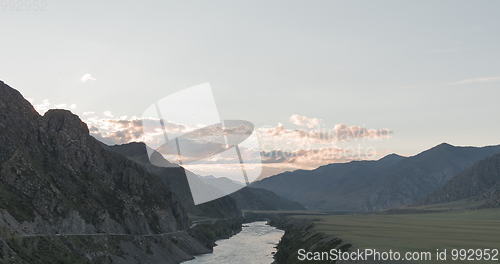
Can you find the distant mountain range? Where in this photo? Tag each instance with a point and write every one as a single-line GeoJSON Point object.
{"type": "Point", "coordinates": [390, 182]}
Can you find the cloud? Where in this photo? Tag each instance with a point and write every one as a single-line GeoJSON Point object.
{"type": "Point", "coordinates": [114, 131]}
{"type": "Point", "coordinates": [477, 80]}
{"type": "Point", "coordinates": [65, 106]}
{"type": "Point", "coordinates": [280, 147]}
{"type": "Point", "coordinates": [42, 107]}
{"type": "Point", "coordinates": [304, 121]}
{"type": "Point", "coordinates": [107, 114]}
{"type": "Point", "coordinates": [46, 105]}
{"type": "Point", "coordinates": [87, 77]}
{"type": "Point", "coordinates": [311, 133]}
{"type": "Point", "coordinates": [279, 135]}
{"type": "Point", "coordinates": [284, 148]}
{"type": "Point", "coordinates": [343, 132]}
{"type": "Point", "coordinates": [123, 130]}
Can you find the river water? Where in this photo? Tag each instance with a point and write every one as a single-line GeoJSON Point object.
{"type": "Point", "coordinates": [253, 245]}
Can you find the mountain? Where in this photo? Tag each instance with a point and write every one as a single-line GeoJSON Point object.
{"type": "Point", "coordinates": [392, 181]}
{"type": "Point", "coordinates": [479, 182]}
{"type": "Point", "coordinates": [56, 178]}
{"type": "Point", "coordinates": [224, 184]}
{"type": "Point", "coordinates": [250, 198]}
{"type": "Point", "coordinates": [177, 178]}
{"type": "Point", "coordinates": [66, 198]}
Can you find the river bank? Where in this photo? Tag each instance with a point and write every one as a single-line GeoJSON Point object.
{"type": "Point", "coordinates": [299, 234]}
{"type": "Point", "coordinates": [170, 248]}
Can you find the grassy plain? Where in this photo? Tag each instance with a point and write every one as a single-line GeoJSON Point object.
{"type": "Point", "coordinates": [415, 231]}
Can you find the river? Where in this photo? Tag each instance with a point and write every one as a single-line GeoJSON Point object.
{"type": "Point", "coordinates": [253, 245]}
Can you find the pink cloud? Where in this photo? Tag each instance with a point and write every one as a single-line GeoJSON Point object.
{"type": "Point", "coordinates": [304, 121]}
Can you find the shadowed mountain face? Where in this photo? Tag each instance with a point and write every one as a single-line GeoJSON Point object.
{"type": "Point", "coordinates": [250, 198]}
{"type": "Point", "coordinates": [374, 185]}
{"type": "Point", "coordinates": [227, 206]}
{"type": "Point", "coordinates": [56, 178]}
{"type": "Point", "coordinates": [480, 182]}
{"type": "Point", "coordinates": [175, 177]}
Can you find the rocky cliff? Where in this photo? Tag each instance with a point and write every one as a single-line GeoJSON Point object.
{"type": "Point", "coordinates": [175, 177]}
{"type": "Point", "coordinates": [66, 198]}
{"type": "Point", "coordinates": [55, 178]}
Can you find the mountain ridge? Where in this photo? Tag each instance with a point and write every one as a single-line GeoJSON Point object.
{"type": "Point", "coordinates": [60, 157]}
{"type": "Point", "coordinates": [392, 181]}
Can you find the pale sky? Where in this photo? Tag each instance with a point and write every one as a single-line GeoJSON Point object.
{"type": "Point", "coordinates": [429, 71]}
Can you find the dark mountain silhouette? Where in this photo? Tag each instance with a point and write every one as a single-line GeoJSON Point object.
{"type": "Point", "coordinates": [66, 198]}
{"type": "Point", "coordinates": [250, 198]}
{"type": "Point", "coordinates": [57, 178]}
{"type": "Point", "coordinates": [478, 182]}
{"type": "Point", "coordinates": [175, 177]}
{"type": "Point", "coordinates": [392, 181]}
{"type": "Point", "coordinates": [172, 175]}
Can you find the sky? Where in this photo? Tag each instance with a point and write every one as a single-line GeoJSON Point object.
{"type": "Point", "coordinates": [425, 72]}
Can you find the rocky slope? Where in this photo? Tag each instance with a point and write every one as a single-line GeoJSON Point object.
{"type": "Point", "coordinates": [55, 178]}
{"type": "Point", "coordinates": [65, 198]}
{"type": "Point", "coordinates": [479, 182]}
{"type": "Point", "coordinates": [175, 177]}
{"type": "Point", "coordinates": [392, 181]}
